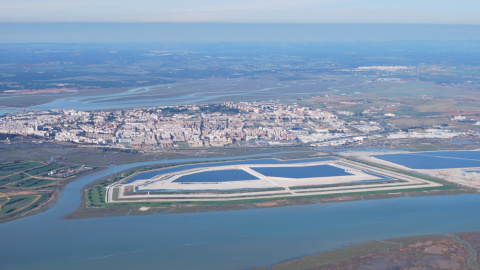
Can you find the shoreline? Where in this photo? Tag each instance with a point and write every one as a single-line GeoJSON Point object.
{"type": "Point", "coordinates": [456, 249]}
{"type": "Point", "coordinates": [97, 212]}
{"type": "Point", "coordinates": [171, 207]}
{"type": "Point", "coordinates": [146, 208]}
{"type": "Point", "coordinates": [51, 200]}
{"type": "Point", "coordinates": [81, 210]}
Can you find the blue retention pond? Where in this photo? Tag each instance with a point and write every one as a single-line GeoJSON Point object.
{"type": "Point", "coordinates": [150, 174]}
{"type": "Point", "coordinates": [216, 176]}
{"type": "Point", "coordinates": [302, 172]}
{"type": "Point", "coordinates": [435, 160]}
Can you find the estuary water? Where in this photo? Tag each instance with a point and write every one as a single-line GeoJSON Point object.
{"type": "Point", "coordinates": [220, 240]}
{"type": "Point", "coordinates": [173, 94]}
{"type": "Point", "coordinates": [150, 174]}
{"type": "Point", "coordinates": [435, 160]}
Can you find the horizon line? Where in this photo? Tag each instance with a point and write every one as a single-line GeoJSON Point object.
{"type": "Point", "coordinates": [266, 23]}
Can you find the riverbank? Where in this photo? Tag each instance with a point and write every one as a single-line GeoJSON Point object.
{"type": "Point", "coordinates": [83, 211]}
{"type": "Point", "coordinates": [446, 251]}
{"type": "Point", "coordinates": [31, 188]}
{"type": "Point", "coordinates": [208, 239]}
{"type": "Point", "coordinates": [93, 198]}
{"type": "Point", "coordinates": [25, 201]}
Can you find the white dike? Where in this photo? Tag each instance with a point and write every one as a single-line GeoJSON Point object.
{"type": "Point", "coordinates": [248, 189]}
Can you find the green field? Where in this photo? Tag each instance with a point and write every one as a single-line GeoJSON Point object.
{"type": "Point", "coordinates": [16, 166]}
{"type": "Point", "coordinates": [2, 200]}
{"type": "Point", "coordinates": [96, 196]}
{"type": "Point", "coordinates": [14, 174]}
{"type": "Point", "coordinates": [29, 177]}
{"type": "Point", "coordinates": [21, 204]}
{"type": "Point", "coordinates": [32, 182]}
{"type": "Point", "coordinates": [12, 178]}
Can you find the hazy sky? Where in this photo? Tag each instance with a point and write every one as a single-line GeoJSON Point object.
{"type": "Point", "coordinates": [247, 11]}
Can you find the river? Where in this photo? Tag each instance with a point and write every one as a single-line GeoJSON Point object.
{"type": "Point", "coordinates": [238, 239]}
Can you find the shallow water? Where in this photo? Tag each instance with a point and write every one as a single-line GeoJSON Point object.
{"type": "Point", "coordinates": [435, 160]}
{"type": "Point", "coordinates": [150, 174]}
{"type": "Point", "coordinates": [220, 240]}
{"type": "Point", "coordinates": [227, 240]}
{"type": "Point", "coordinates": [217, 176]}
{"type": "Point", "coordinates": [302, 172]}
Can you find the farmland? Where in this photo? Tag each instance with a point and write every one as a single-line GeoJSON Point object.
{"type": "Point", "coordinates": [25, 186]}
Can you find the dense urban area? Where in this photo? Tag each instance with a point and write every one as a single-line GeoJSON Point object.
{"type": "Point", "coordinates": [246, 123]}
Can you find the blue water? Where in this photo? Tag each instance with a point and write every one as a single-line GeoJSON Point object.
{"type": "Point", "coordinates": [5, 111]}
{"type": "Point", "coordinates": [150, 174]}
{"type": "Point", "coordinates": [216, 176]}
{"type": "Point", "coordinates": [435, 160]}
{"type": "Point", "coordinates": [220, 240]}
{"type": "Point", "coordinates": [302, 172]}
{"type": "Point", "coordinates": [226, 240]}
{"type": "Point", "coordinates": [473, 155]}
{"type": "Point", "coordinates": [176, 95]}
{"type": "Point", "coordinates": [358, 149]}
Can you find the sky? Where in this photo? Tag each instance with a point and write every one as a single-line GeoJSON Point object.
{"type": "Point", "coordinates": [243, 11]}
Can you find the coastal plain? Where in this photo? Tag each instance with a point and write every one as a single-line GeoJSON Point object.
{"type": "Point", "coordinates": [255, 124]}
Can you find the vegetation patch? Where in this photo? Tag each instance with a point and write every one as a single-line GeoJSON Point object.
{"type": "Point", "coordinates": [32, 182]}
{"type": "Point", "coordinates": [16, 205]}
{"type": "Point", "coordinates": [43, 169]}
{"type": "Point", "coordinates": [12, 178]}
{"type": "Point", "coordinates": [2, 201]}
{"type": "Point", "coordinates": [419, 252]}
{"type": "Point", "coordinates": [26, 185]}
{"type": "Point", "coordinates": [16, 166]}
{"type": "Point", "coordinates": [96, 196]}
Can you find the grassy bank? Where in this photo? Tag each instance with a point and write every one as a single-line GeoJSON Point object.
{"type": "Point", "coordinates": [26, 186]}
{"type": "Point", "coordinates": [94, 197]}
